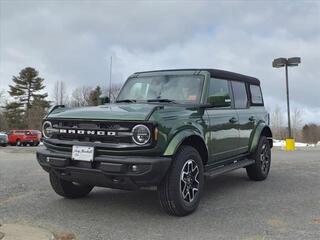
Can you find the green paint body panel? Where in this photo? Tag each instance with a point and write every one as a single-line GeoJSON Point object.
{"type": "Point", "coordinates": [177, 141]}
{"type": "Point", "coordinates": [254, 139]}
{"type": "Point", "coordinates": [176, 122]}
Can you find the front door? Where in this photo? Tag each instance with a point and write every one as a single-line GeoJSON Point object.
{"type": "Point", "coordinates": [223, 132]}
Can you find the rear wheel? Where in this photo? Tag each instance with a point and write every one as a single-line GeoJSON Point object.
{"type": "Point", "coordinates": [262, 156]}
{"type": "Point", "coordinates": [180, 191]}
{"type": "Point", "coordinates": [18, 142]}
{"type": "Point", "coordinates": [68, 189]}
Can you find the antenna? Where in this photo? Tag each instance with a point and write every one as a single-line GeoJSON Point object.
{"type": "Point", "coordinates": [110, 77]}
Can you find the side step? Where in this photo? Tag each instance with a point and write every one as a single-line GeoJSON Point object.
{"type": "Point", "coordinates": [227, 168]}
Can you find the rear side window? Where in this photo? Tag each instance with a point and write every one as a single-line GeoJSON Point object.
{"type": "Point", "coordinates": [256, 95]}
{"type": "Point", "coordinates": [240, 94]}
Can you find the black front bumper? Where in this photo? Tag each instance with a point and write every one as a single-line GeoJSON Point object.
{"type": "Point", "coordinates": [122, 172]}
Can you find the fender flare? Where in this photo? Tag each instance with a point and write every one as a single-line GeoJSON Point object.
{"type": "Point", "coordinates": [262, 127]}
{"type": "Point", "coordinates": [177, 140]}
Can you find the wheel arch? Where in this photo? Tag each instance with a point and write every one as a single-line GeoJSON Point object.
{"type": "Point", "coordinates": [261, 130]}
{"type": "Point", "coordinates": [189, 138]}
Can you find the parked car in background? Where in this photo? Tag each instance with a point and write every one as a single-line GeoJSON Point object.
{"type": "Point", "coordinates": [3, 139]}
{"type": "Point", "coordinates": [24, 137]}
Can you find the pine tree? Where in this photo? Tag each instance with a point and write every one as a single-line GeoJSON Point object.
{"type": "Point", "coordinates": [26, 88]}
{"type": "Point", "coordinates": [30, 104]}
{"type": "Point", "coordinates": [94, 96]}
{"type": "Point", "coordinates": [14, 116]}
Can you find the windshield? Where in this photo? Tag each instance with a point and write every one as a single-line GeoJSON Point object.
{"type": "Point", "coordinates": [180, 88]}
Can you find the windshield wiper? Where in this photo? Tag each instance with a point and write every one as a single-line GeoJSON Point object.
{"type": "Point", "coordinates": [126, 101]}
{"type": "Point", "coordinates": [161, 100]}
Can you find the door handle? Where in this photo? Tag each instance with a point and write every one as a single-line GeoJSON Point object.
{"type": "Point", "coordinates": [252, 119]}
{"type": "Point", "coordinates": [233, 120]}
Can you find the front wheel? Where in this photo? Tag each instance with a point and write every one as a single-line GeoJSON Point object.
{"type": "Point", "coordinates": [262, 156]}
{"type": "Point", "coordinates": [68, 189]}
{"type": "Point", "coordinates": [180, 191]}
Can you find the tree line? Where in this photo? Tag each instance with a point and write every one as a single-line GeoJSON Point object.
{"type": "Point", "coordinates": [308, 133]}
{"type": "Point", "coordinates": [83, 95]}
{"type": "Point", "coordinates": [29, 102]}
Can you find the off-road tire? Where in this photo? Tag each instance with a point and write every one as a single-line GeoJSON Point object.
{"type": "Point", "coordinates": [170, 190]}
{"type": "Point", "coordinates": [260, 169]}
{"type": "Point", "coordinates": [68, 189]}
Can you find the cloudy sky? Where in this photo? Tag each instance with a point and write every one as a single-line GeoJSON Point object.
{"type": "Point", "coordinates": [72, 41]}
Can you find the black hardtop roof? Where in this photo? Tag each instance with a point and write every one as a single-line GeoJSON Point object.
{"type": "Point", "coordinates": [216, 73]}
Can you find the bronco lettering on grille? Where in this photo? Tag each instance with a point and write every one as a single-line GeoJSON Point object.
{"type": "Point", "coordinates": [88, 132]}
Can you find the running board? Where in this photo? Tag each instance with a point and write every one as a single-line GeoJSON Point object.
{"type": "Point", "coordinates": [227, 168]}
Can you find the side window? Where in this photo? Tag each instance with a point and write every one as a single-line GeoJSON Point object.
{"type": "Point", "coordinates": [219, 94]}
{"type": "Point", "coordinates": [239, 94]}
{"type": "Point", "coordinates": [256, 95]}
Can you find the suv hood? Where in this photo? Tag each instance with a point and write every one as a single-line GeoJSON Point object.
{"type": "Point", "coordinates": [132, 111]}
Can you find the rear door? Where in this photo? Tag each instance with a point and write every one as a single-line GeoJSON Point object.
{"type": "Point", "coordinates": [222, 123]}
{"type": "Point", "coordinates": [245, 114]}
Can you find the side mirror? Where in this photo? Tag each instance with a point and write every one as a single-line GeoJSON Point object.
{"type": "Point", "coordinates": [219, 101]}
{"type": "Point", "coordinates": [103, 100]}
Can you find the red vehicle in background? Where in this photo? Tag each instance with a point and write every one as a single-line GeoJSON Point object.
{"type": "Point", "coordinates": [24, 137]}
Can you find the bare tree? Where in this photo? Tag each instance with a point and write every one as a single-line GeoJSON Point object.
{"type": "Point", "coordinates": [277, 119]}
{"type": "Point", "coordinates": [297, 120]}
{"type": "Point", "coordinates": [115, 89]}
{"type": "Point", "coordinates": [311, 133]}
{"type": "Point", "coordinates": [3, 122]}
{"type": "Point", "coordinates": [38, 111]}
{"type": "Point", "coordinates": [80, 96]}
{"type": "Point", "coordinates": [59, 93]}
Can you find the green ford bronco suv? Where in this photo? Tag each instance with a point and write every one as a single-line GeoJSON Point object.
{"type": "Point", "coordinates": [169, 129]}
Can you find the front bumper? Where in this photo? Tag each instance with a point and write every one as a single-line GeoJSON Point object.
{"type": "Point", "coordinates": [122, 172]}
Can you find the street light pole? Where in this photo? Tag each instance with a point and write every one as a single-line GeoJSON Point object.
{"type": "Point", "coordinates": [288, 103]}
{"type": "Point", "coordinates": [287, 62]}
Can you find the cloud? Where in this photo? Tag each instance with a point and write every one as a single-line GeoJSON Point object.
{"type": "Point", "coordinates": [73, 40]}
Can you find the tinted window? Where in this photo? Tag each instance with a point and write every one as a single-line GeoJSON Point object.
{"type": "Point", "coordinates": [256, 95]}
{"type": "Point", "coordinates": [219, 89]}
{"type": "Point", "coordinates": [240, 94]}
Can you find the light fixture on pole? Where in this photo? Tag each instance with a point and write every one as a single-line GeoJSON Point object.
{"type": "Point", "coordinates": [287, 62]}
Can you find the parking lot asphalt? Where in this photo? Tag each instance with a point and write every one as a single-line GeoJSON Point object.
{"type": "Point", "coordinates": [285, 206]}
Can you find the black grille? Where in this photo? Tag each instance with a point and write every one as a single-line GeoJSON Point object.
{"type": "Point", "coordinates": [115, 132]}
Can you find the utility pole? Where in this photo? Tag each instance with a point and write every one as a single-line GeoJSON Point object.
{"type": "Point", "coordinates": [110, 78]}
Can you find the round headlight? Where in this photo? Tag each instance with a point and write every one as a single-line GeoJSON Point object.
{"type": "Point", "coordinates": [47, 129]}
{"type": "Point", "coordinates": [141, 134]}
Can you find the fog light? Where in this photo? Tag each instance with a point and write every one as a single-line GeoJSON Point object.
{"type": "Point", "coordinates": [48, 159]}
{"type": "Point", "coordinates": [134, 168]}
